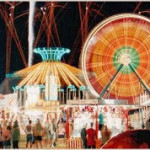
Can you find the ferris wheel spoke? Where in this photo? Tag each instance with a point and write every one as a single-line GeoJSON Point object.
{"type": "Point", "coordinates": [146, 53]}
{"type": "Point", "coordinates": [140, 68]}
{"type": "Point", "coordinates": [137, 32]}
{"type": "Point", "coordinates": [145, 41]}
{"type": "Point", "coordinates": [107, 43]}
{"type": "Point", "coordinates": [125, 27]}
{"type": "Point", "coordinates": [111, 80]}
{"type": "Point", "coordinates": [113, 87]}
{"type": "Point", "coordinates": [138, 29]}
{"type": "Point", "coordinates": [140, 80]}
{"type": "Point", "coordinates": [121, 84]}
{"type": "Point", "coordinates": [114, 32]}
{"type": "Point", "coordinates": [134, 54]}
{"type": "Point", "coordinates": [131, 85]}
{"type": "Point", "coordinates": [133, 89]}
{"type": "Point", "coordinates": [99, 54]}
{"type": "Point", "coordinates": [101, 76]}
{"type": "Point", "coordinates": [97, 64]}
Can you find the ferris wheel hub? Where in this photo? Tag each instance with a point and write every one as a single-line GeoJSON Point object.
{"type": "Point", "coordinates": [125, 59]}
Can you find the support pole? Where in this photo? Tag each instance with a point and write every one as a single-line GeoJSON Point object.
{"type": "Point", "coordinates": [67, 125]}
{"type": "Point", "coordinates": [108, 85]}
{"type": "Point", "coordinates": [127, 117]}
{"type": "Point", "coordinates": [140, 80]}
{"type": "Point", "coordinates": [96, 124]}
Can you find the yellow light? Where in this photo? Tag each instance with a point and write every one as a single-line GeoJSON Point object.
{"type": "Point", "coordinates": [64, 73]}
{"type": "Point", "coordinates": [33, 94]}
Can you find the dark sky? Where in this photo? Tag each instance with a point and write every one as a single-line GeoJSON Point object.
{"type": "Point", "coordinates": [68, 25]}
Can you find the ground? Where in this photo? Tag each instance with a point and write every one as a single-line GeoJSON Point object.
{"type": "Point", "coordinates": [59, 144]}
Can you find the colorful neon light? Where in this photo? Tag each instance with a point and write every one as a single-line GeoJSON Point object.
{"type": "Point", "coordinates": [52, 53]}
{"type": "Point", "coordinates": [120, 39]}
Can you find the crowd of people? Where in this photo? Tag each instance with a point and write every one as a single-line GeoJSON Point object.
{"type": "Point", "coordinates": [9, 135]}
{"type": "Point", "coordinates": [37, 134]}
{"type": "Point", "coordinates": [43, 133]}
{"type": "Point", "coordinates": [88, 136]}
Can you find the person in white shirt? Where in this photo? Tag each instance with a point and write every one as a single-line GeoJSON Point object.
{"type": "Point", "coordinates": [61, 130]}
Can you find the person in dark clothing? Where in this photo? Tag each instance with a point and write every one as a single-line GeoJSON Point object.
{"type": "Point", "coordinates": [15, 135]}
{"type": "Point", "coordinates": [101, 121]}
{"type": "Point", "coordinates": [83, 136]}
{"type": "Point", "coordinates": [1, 138]}
{"type": "Point", "coordinates": [6, 135]}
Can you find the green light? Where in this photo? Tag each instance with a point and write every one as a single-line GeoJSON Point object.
{"type": "Point", "coordinates": [52, 53]}
{"type": "Point", "coordinates": [125, 55]}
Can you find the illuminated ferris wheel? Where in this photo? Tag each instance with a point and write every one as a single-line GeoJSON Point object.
{"type": "Point", "coordinates": [117, 52]}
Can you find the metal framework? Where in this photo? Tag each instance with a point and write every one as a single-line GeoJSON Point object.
{"type": "Point", "coordinates": [112, 79]}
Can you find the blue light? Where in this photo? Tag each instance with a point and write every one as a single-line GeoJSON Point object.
{"type": "Point", "coordinates": [41, 86]}
{"type": "Point", "coordinates": [61, 90]}
{"type": "Point", "coordinates": [71, 87]}
{"type": "Point", "coordinates": [52, 53]}
{"type": "Point", "coordinates": [11, 75]}
{"type": "Point", "coordinates": [82, 88]}
{"type": "Point", "coordinates": [17, 88]}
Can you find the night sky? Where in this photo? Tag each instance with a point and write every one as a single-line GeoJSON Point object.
{"type": "Point", "coordinates": [68, 26]}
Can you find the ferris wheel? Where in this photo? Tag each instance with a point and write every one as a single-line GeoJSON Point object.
{"type": "Point", "coordinates": [117, 52]}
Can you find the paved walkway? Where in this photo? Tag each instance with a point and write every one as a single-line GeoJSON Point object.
{"type": "Point", "coordinates": [59, 144]}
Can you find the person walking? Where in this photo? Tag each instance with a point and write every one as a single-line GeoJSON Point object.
{"type": "Point", "coordinates": [1, 138]}
{"type": "Point", "coordinates": [91, 137]}
{"type": "Point", "coordinates": [101, 120]}
{"type": "Point", "coordinates": [61, 128]}
{"type": "Point", "coordinates": [46, 133]}
{"type": "Point", "coordinates": [6, 135]}
{"type": "Point", "coordinates": [53, 133]}
{"type": "Point", "coordinates": [29, 134]}
{"type": "Point", "coordinates": [106, 134]}
{"type": "Point", "coordinates": [37, 132]}
{"type": "Point", "coordinates": [148, 124]}
{"type": "Point", "coordinates": [83, 136]}
{"type": "Point", "coordinates": [15, 134]}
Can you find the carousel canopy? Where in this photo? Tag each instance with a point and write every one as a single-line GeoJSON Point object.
{"type": "Point", "coordinates": [36, 75]}
{"type": "Point", "coordinates": [64, 74]}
